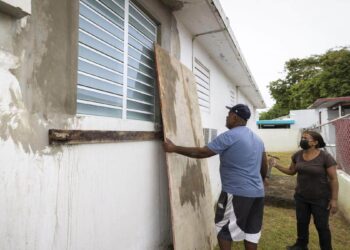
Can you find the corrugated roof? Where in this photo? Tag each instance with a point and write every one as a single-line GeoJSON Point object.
{"type": "Point", "coordinates": [329, 102]}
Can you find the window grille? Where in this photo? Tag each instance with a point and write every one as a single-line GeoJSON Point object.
{"type": "Point", "coordinates": [116, 74]}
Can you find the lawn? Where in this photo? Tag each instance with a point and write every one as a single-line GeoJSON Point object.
{"type": "Point", "coordinates": [279, 230]}
{"type": "Point", "coordinates": [279, 227]}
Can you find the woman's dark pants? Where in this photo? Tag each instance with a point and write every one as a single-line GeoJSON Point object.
{"type": "Point", "coordinates": [318, 209]}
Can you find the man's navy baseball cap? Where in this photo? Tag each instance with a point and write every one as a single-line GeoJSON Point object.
{"type": "Point", "coordinates": [241, 110]}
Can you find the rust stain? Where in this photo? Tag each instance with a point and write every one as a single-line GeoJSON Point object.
{"type": "Point", "coordinates": [57, 136]}
{"type": "Point", "coordinates": [192, 184]}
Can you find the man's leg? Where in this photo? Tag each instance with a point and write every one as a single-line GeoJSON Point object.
{"type": "Point", "coordinates": [250, 245]}
{"type": "Point", "coordinates": [222, 220]}
{"type": "Point", "coordinates": [224, 244]}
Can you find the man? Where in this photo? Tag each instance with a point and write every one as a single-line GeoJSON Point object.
{"type": "Point", "coordinates": [243, 168]}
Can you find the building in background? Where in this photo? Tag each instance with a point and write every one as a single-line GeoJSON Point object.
{"type": "Point", "coordinates": [328, 116]}
{"type": "Point", "coordinates": [334, 125]}
{"type": "Point", "coordinates": [88, 65]}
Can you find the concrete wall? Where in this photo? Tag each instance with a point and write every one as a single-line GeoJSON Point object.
{"type": "Point", "coordinates": [71, 197]}
{"type": "Point", "coordinates": [344, 198]}
{"type": "Point", "coordinates": [280, 140]}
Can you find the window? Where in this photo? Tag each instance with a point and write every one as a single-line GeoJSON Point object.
{"type": "Point", "coordinates": [116, 75]}
{"type": "Point", "coordinates": [232, 98]}
{"type": "Point", "coordinates": [202, 75]}
{"type": "Point", "coordinates": [209, 134]}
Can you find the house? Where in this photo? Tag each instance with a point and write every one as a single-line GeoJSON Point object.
{"type": "Point", "coordinates": [329, 109]}
{"type": "Point", "coordinates": [88, 65]}
{"type": "Point", "coordinates": [283, 133]}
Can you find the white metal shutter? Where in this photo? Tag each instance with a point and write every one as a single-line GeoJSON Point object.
{"type": "Point", "coordinates": [103, 88]}
{"type": "Point", "coordinates": [202, 75]}
{"type": "Point", "coordinates": [141, 74]}
{"type": "Point", "coordinates": [232, 98]}
{"type": "Point", "coordinates": [100, 61]}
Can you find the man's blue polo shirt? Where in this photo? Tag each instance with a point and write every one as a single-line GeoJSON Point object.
{"type": "Point", "coordinates": [241, 153]}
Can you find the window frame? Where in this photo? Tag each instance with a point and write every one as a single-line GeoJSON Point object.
{"type": "Point", "coordinates": [124, 122]}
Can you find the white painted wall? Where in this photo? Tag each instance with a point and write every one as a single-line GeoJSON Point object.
{"type": "Point", "coordinates": [78, 197]}
{"type": "Point", "coordinates": [84, 197]}
{"type": "Point", "coordinates": [280, 140]}
{"type": "Point", "coordinates": [303, 118]}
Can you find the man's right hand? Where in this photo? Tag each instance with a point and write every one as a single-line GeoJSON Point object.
{"type": "Point", "coordinates": [169, 146]}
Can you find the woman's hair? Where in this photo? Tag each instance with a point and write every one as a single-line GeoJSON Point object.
{"type": "Point", "coordinates": [317, 137]}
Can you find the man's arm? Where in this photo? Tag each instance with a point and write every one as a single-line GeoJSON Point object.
{"type": "Point", "coordinates": [263, 170]}
{"type": "Point", "coordinates": [193, 152]}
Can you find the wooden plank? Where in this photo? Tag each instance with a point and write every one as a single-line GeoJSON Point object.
{"type": "Point", "coordinates": [57, 136]}
{"type": "Point", "coordinates": [192, 211]}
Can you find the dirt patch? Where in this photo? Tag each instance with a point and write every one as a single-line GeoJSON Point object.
{"type": "Point", "coordinates": [280, 191]}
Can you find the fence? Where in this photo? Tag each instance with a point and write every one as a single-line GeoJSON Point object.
{"type": "Point", "coordinates": [336, 134]}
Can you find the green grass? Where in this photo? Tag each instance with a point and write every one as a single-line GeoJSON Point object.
{"type": "Point", "coordinates": [279, 226]}
{"type": "Point", "coordinates": [279, 230]}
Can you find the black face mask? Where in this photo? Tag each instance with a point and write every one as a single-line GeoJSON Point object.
{"type": "Point", "coordinates": [304, 144]}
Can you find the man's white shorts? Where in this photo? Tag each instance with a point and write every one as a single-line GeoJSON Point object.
{"type": "Point", "coordinates": [239, 218]}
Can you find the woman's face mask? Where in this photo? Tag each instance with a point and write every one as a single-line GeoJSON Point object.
{"type": "Point", "coordinates": [304, 144]}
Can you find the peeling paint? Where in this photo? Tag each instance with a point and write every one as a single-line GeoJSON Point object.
{"type": "Point", "coordinates": [47, 71]}
{"type": "Point", "coordinates": [27, 130]}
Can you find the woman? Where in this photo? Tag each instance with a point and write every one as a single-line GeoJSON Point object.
{"type": "Point", "coordinates": [316, 192]}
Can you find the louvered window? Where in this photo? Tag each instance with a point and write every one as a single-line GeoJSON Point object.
{"type": "Point", "coordinates": [232, 97]}
{"type": "Point", "coordinates": [202, 75]}
{"type": "Point", "coordinates": [116, 74]}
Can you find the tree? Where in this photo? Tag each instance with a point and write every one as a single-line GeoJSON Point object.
{"type": "Point", "coordinates": [307, 79]}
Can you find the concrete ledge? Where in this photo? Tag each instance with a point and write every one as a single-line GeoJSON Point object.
{"type": "Point", "coordinates": [16, 8]}
{"type": "Point", "coordinates": [344, 197]}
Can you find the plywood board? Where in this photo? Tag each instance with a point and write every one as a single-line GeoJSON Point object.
{"type": "Point", "coordinates": [191, 204]}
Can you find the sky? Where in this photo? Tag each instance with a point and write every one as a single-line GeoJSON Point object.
{"type": "Point", "coordinates": [270, 32]}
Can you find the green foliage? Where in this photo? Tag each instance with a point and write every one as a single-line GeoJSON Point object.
{"type": "Point", "coordinates": [307, 79]}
